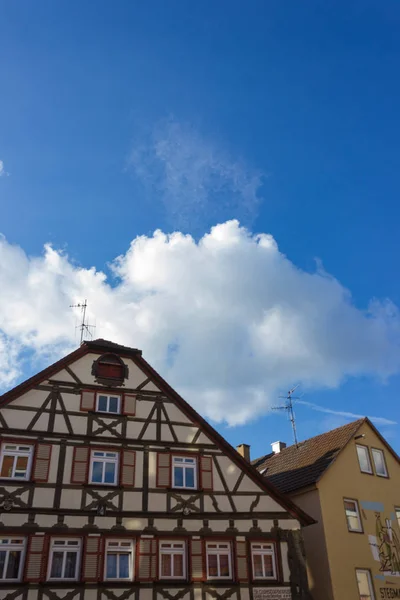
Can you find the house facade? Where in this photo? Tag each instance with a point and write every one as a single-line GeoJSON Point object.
{"type": "Point", "coordinates": [349, 480]}
{"type": "Point", "coordinates": [112, 487]}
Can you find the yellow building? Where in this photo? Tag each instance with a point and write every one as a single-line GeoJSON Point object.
{"type": "Point", "coordinates": [348, 480]}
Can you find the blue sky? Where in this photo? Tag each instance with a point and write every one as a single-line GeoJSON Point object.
{"type": "Point", "coordinates": [120, 119]}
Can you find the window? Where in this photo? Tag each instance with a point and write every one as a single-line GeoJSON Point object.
{"type": "Point", "coordinates": [219, 560]}
{"type": "Point", "coordinates": [365, 589]}
{"type": "Point", "coordinates": [16, 461]}
{"type": "Point", "coordinates": [263, 561]}
{"type": "Point", "coordinates": [363, 459]}
{"type": "Point", "coordinates": [397, 511]}
{"type": "Point", "coordinates": [184, 472]}
{"type": "Point", "coordinates": [11, 552]}
{"type": "Point", "coordinates": [352, 515]}
{"type": "Point", "coordinates": [108, 404]}
{"type": "Point", "coordinates": [172, 560]}
{"type": "Point", "coordinates": [103, 467]}
{"type": "Point", "coordinates": [119, 559]}
{"type": "Point", "coordinates": [64, 559]}
{"type": "Point", "coordinates": [379, 462]}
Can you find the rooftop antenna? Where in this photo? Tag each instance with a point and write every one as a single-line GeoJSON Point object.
{"type": "Point", "coordinates": [288, 406]}
{"type": "Point", "coordinates": [84, 326]}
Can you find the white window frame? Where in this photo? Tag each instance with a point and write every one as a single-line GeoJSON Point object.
{"type": "Point", "coordinates": [108, 396]}
{"type": "Point", "coordinates": [180, 548]}
{"type": "Point", "coordinates": [119, 549]}
{"type": "Point", "coordinates": [104, 459]}
{"type": "Point", "coordinates": [267, 549]}
{"type": "Point", "coordinates": [397, 513]}
{"type": "Point", "coordinates": [191, 465]}
{"type": "Point", "coordinates": [366, 450]}
{"type": "Point", "coordinates": [10, 547]}
{"type": "Point", "coordinates": [14, 451]}
{"type": "Point", "coordinates": [381, 452]}
{"type": "Point", "coordinates": [65, 548]}
{"type": "Point", "coordinates": [357, 510]}
{"type": "Point", "coordinates": [370, 585]}
{"type": "Point", "coordinates": [221, 548]}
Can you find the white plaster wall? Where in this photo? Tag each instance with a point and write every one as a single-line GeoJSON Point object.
{"type": "Point", "coordinates": [134, 524]}
{"type": "Point", "coordinates": [151, 387]}
{"type": "Point", "coordinates": [285, 563]}
{"type": "Point", "coordinates": [133, 429]}
{"type": "Point", "coordinates": [185, 434]}
{"type": "Point", "coordinates": [70, 499]}
{"type": "Point", "coordinates": [43, 498]}
{"type": "Point", "coordinates": [132, 501]}
{"type": "Point", "coordinates": [175, 414]}
{"type": "Point", "coordinates": [72, 402]}
{"type": "Point", "coordinates": [157, 502]}
{"type": "Point", "coordinates": [79, 424]}
{"type": "Point", "coordinates": [76, 522]}
{"type": "Point", "coordinates": [152, 469]}
{"type": "Point", "coordinates": [136, 375]}
{"type": "Point", "coordinates": [143, 408]}
{"type": "Point", "coordinates": [18, 419]}
{"type": "Point", "coordinates": [150, 433]}
{"type": "Point", "coordinates": [68, 464]}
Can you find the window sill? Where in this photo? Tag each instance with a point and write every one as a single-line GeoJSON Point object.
{"type": "Point", "coordinates": [102, 486]}
{"type": "Point", "coordinates": [173, 580]}
{"type": "Point", "coordinates": [13, 480]}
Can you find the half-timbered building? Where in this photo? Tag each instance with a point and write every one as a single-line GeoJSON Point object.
{"type": "Point", "coordinates": [113, 487]}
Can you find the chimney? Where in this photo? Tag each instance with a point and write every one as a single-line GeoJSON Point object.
{"type": "Point", "coordinates": [277, 447]}
{"type": "Point", "coordinates": [244, 450]}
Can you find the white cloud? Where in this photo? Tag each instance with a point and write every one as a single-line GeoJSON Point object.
{"type": "Point", "coordinates": [228, 320]}
{"type": "Point", "coordinates": [195, 178]}
{"type": "Point", "coordinates": [3, 172]}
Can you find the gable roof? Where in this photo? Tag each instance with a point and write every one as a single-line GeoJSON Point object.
{"type": "Point", "coordinates": [296, 467]}
{"type": "Point", "coordinates": [100, 346]}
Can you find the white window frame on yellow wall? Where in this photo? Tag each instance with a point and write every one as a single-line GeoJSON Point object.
{"type": "Point", "coordinates": [360, 448]}
{"type": "Point", "coordinates": [377, 451]}
{"type": "Point", "coordinates": [356, 515]}
{"type": "Point", "coordinates": [397, 512]}
{"type": "Point", "coordinates": [368, 580]}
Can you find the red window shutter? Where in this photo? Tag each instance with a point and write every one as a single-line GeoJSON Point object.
{"type": "Point", "coordinates": [129, 404]}
{"type": "Point", "coordinates": [110, 370]}
{"type": "Point", "coordinates": [36, 558]}
{"type": "Point", "coordinates": [41, 463]}
{"type": "Point", "coordinates": [88, 400]}
{"type": "Point", "coordinates": [92, 559]}
{"type": "Point", "coordinates": [127, 471]}
{"type": "Point", "coordinates": [163, 469]}
{"type": "Point", "coordinates": [197, 556]}
{"type": "Point", "coordinates": [206, 472]}
{"type": "Point", "coordinates": [242, 570]}
{"type": "Point", "coordinates": [147, 559]}
{"type": "Point", "coordinates": [80, 464]}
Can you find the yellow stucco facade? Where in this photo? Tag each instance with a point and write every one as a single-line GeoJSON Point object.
{"type": "Point", "coordinates": [337, 557]}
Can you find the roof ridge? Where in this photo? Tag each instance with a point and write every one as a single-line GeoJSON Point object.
{"type": "Point", "coordinates": [314, 437]}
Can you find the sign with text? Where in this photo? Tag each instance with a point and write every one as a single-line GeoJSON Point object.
{"type": "Point", "coordinates": [389, 592]}
{"type": "Point", "coordinates": [272, 593]}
